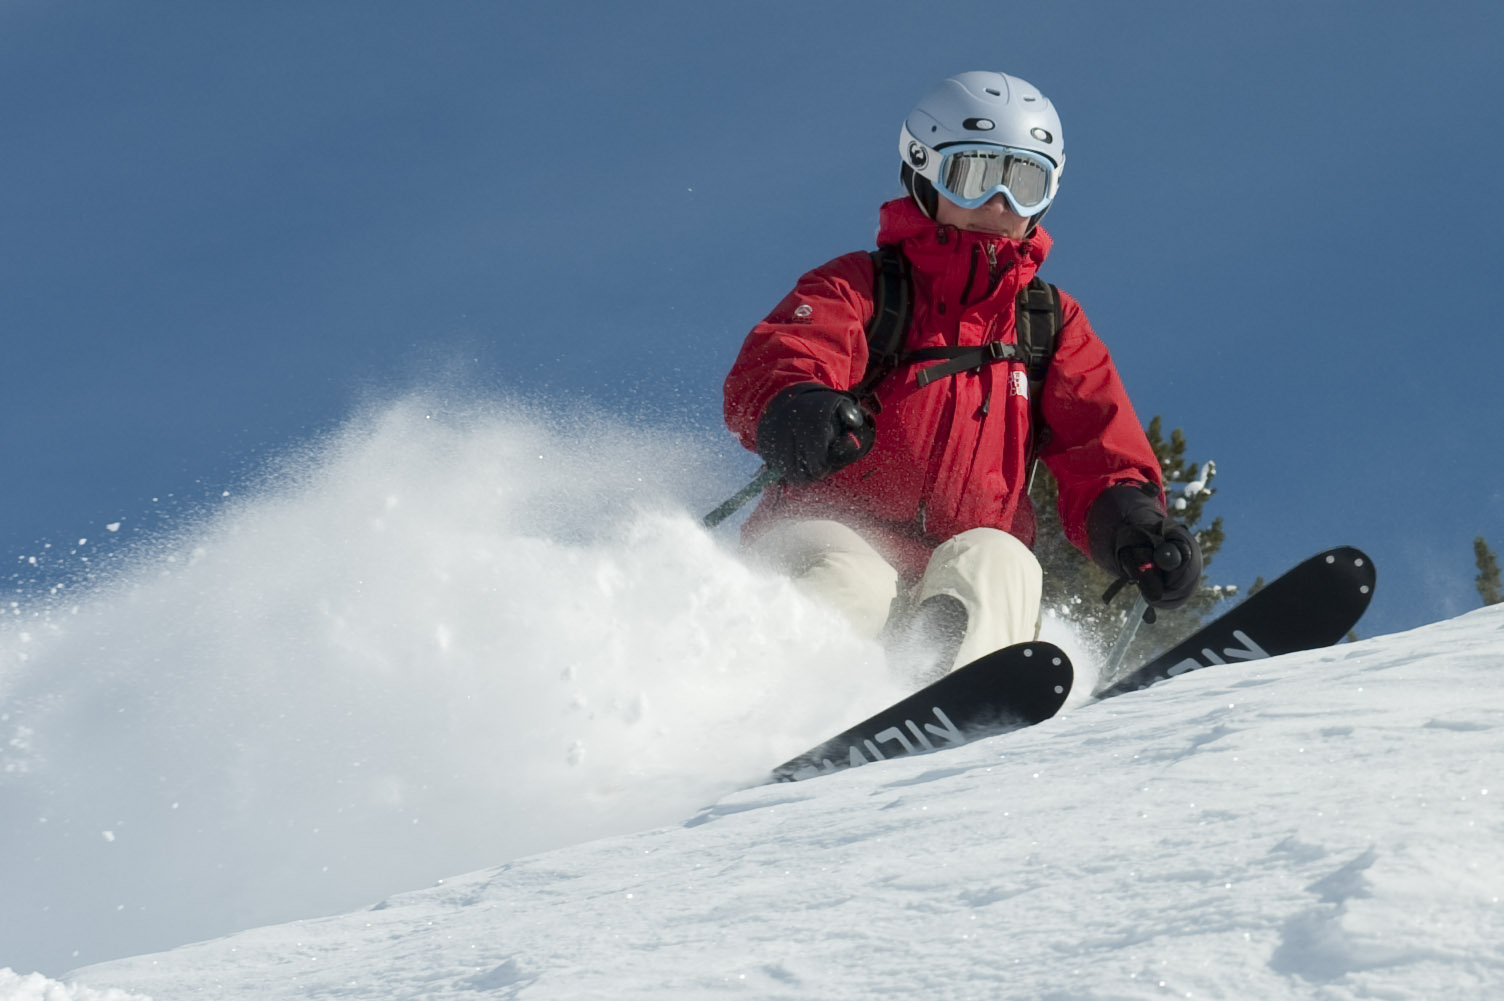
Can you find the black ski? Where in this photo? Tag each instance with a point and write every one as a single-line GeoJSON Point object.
{"type": "Point", "coordinates": [1008, 689]}
{"type": "Point", "coordinates": [1312, 606]}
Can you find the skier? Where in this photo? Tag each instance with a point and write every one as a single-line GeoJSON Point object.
{"type": "Point", "coordinates": [903, 499]}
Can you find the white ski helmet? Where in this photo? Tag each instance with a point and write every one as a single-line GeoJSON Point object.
{"type": "Point", "coordinates": [980, 134]}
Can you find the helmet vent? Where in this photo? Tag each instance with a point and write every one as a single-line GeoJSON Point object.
{"type": "Point", "coordinates": [979, 124]}
{"type": "Point", "coordinates": [994, 92]}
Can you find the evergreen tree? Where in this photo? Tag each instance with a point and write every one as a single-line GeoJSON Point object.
{"type": "Point", "coordinates": [1074, 585]}
{"type": "Point", "coordinates": [1489, 588]}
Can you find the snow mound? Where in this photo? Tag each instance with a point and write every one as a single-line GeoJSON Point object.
{"type": "Point", "coordinates": [35, 987]}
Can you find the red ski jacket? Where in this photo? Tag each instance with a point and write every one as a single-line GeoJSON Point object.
{"type": "Point", "coordinates": [953, 455]}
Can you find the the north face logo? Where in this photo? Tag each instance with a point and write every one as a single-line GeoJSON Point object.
{"type": "Point", "coordinates": [1018, 384]}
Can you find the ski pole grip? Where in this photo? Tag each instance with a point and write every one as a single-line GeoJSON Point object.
{"type": "Point", "coordinates": [850, 445]}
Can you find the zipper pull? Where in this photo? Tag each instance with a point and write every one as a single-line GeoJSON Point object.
{"type": "Point", "coordinates": [994, 272]}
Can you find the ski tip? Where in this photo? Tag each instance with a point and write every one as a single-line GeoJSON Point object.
{"type": "Point", "coordinates": [1358, 566]}
{"type": "Point", "coordinates": [1051, 677]}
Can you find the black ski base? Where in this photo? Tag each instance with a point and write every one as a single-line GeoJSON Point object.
{"type": "Point", "coordinates": [1008, 689]}
{"type": "Point", "coordinates": [1312, 606]}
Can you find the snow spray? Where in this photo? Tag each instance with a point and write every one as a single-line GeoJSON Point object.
{"type": "Point", "coordinates": [435, 641]}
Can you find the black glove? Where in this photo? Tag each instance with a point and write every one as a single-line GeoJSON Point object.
{"type": "Point", "coordinates": [1132, 539]}
{"type": "Point", "coordinates": [809, 431]}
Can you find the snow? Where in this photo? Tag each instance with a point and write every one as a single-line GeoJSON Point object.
{"type": "Point", "coordinates": [1324, 825]}
{"type": "Point", "coordinates": [1197, 486]}
{"type": "Point", "coordinates": [35, 987]}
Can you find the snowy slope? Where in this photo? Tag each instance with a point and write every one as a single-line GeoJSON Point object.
{"type": "Point", "coordinates": [1324, 825]}
{"type": "Point", "coordinates": [442, 641]}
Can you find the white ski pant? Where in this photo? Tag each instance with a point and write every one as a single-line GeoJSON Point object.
{"type": "Point", "coordinates": [994, 576]}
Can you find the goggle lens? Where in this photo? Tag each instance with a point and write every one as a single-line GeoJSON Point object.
{"type": "Point", "coordinates": [975, 175]}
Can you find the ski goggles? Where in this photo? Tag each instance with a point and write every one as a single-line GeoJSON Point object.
{"type": "Point", "coordinates": [970, 174]}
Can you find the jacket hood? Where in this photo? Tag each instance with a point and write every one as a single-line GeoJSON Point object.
{"type": "Point", "coordinates": [900, 221]}
{"type": "Point", "coordinates": [958, 266]}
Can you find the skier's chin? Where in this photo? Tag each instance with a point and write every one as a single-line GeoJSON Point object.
{"type": "Point", "coordinates": [996, 218]}
{"type": "Point", "coordinates": [1012, 228]}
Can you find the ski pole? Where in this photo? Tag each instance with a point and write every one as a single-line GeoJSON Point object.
{"type": "Point", "coordinates": [1125, 637]}
{"type": "Point", "coordinates": [843, 450]}
{"type": "Point", "coordinates": [1167, 556]}
{"type": "Point", "coordinates": [765, 477]}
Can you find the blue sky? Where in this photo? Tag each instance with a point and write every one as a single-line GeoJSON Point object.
{"type": "Point", "coordinates": [226, 225]}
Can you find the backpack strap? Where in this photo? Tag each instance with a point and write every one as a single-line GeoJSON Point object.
{"type": "Point", "coordinates": [1038, 324]}
{"type": "Point", "coordinates": [959, 360]}
{"type": "Point", "coordinates": [892, 309]}
{"type": "Point", "coordinates": [1037, 321]}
